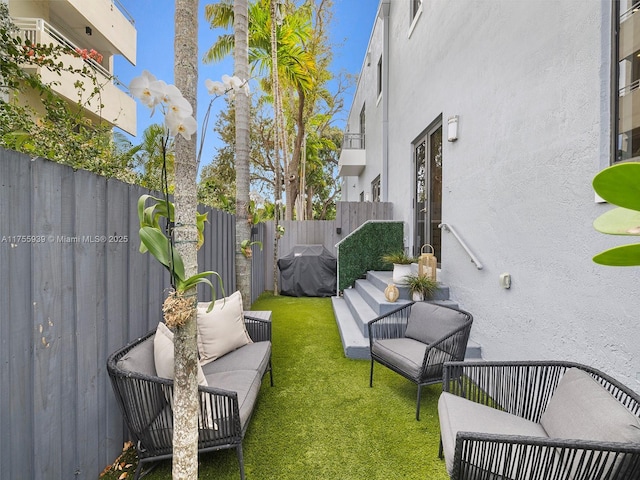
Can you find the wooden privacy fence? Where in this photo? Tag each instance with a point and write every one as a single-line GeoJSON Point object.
{"type": "Point", "coordinates": [73, 288]}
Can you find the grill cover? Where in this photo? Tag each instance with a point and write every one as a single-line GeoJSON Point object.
{"type": "Point", "coordinates": [308, 271]}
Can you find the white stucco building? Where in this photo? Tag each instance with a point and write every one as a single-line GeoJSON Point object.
{"type": "Point", "coordinates": [531, 92]}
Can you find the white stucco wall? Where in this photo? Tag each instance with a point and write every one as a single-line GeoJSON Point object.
{"type": "Point", "coordinates": [530, 82]}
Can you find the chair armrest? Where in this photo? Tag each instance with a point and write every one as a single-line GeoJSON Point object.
{"type": "Point", "coordinates": [532, 458]}
{"type": "Point", "coordinates": [259, 329]}
{"type": "Point", "coordinates": [390, 325]}
{"type": "Point", "coordinates": [451, 347]}
{"type": "Point", "coordinates": [221, 407]}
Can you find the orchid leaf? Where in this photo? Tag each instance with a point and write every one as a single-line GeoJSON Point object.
{"type": "Point", "coordinates": [160, 247]}
{"type": "Point", "coordinates": [201, 278]}
{"type": "Point", "coordinates": [200, 219]}
{"type": "Point", "coordinates": [623, 256]}
{"type": "Point", "coordinates": [620, 185]}
{"type": "Point", "coordinates": [619, 221]}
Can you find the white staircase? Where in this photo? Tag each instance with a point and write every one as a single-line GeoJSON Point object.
{"type": "Point", "coordinates": [366, 301]}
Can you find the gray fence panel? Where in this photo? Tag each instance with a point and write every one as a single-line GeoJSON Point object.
{"type": "Point", "coordinates": [67, 303]}
{"type": "Point", "coordinates": [16, 329]}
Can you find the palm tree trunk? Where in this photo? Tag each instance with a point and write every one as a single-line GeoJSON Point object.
{"type": "Point", "coordinates": [243, 229]}
{"type": "Point", "coordinates": [185, 434]}
{"type": "Point", "coordinates": [277, 189]}
{"type": "Point", "coordinates": [294, 165]}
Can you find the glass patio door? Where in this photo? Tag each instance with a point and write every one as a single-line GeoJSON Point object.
{"type": "Point", "coordinates": [428, 193]}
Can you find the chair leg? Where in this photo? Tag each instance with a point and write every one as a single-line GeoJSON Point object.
{"type": "Point", "coordinates": [271, 372]}
{"type": "Point", "coordinates": [418, 403]}
{"type": "Point", "coordinates": [371, 375]}
{"type": "Point", "coordinates": [240, 460]}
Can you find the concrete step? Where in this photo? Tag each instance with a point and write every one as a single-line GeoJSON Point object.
{"type": "Point", "coordinates": [382, 279]}
{"type": "Point", "coordinates": [360, 310]}
{"type": "Point", "coordinates": [375, 297]}
{"type": "Point", "coordinates": [354, 343]}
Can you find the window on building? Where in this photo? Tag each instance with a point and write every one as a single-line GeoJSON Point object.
{"type": "Point", "coordinates": [626, 94]}
{"type": "Point", "coordinates": [375, 189]}
{"type": "Point", "coordinates": [380, 76]}
{"type": "Point", "coordinates": [362, 127]}
{"type": "Point", "coordinates": [415, 8]}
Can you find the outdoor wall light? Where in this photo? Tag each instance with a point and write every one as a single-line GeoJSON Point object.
{"type": "Point", "coordinates": [88, 30]}
{"type": "Point", "coordinates": [452, 132]}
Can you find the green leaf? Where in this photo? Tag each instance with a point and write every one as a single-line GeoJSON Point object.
{"type": "Point", "coordinates": [620, 185]}
{"type": "Point", "coordinates": [619, 221]}
{"type": "Point", "coordinates": [201, 278]}
{"type": "Point", "coordinates": [624, 256]}
{"type": "Point", "coordinates": [160, 247]}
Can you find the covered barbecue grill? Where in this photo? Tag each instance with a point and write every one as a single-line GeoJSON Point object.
{"type": "Point", "coordinates": [308, 271]}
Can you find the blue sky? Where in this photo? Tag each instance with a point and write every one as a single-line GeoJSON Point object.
{"type": "Point", "coordinates": [350, 31]}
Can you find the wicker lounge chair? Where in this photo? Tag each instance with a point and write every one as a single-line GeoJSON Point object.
{"type": "Point", "coordinates": [416, 339]}
{"type": "Point", "coordinates": [537, 421]}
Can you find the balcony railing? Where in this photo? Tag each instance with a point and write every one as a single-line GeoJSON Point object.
{"type": "Point", "coordinates": [353, 141]}
{"type": "Point", "coordinates": [124, 11]}
{"type": "Point", "coordinates": [29, 28]}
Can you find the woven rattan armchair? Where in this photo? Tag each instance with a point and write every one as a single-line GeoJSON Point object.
{"type": "Point", "coordinates": [415, 340]}
{"type": "Point", "coordinates": [503, 406]}
{"type": "Point", "coordinates": [144, 400]}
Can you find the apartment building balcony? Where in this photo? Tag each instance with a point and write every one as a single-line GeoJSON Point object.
{"type": "Point", "coordinates": [353, 157]}
{"type": "Point", "coordinates": [113, 105]}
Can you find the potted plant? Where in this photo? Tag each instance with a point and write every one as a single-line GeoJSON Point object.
{"type": "Point", "coordinates": [421, 287]}
{"type": "Point", "coordinates": [401, 265]}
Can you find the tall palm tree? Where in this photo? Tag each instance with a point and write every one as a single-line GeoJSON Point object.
{"type": "Point", "coordinates": [243, 229]}
{"type": "Point", "coordinates": [185, 434]}
{"type": "Point", "coordinates": [295, 65]}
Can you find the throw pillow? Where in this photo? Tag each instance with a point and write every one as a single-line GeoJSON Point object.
{"type": "Point", "coordinates": [163, 353]}
{"type": "Point", "coordinates": [222, 330]}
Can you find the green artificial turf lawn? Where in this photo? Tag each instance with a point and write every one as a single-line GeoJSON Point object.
{"type": "Point", "coordinates": [321, 420]}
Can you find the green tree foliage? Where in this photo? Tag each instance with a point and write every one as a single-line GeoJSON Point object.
{"type": "Point", "coordinates": [304, 56]}
{"type": "Point", "coordinates": [54, 129]}
{"type": "Point", "coordinates": [154, 151]}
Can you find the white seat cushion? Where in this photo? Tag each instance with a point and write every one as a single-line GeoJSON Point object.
{"type": "Point", "coordinates": [458, 414]}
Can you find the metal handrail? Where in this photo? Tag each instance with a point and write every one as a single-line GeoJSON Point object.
{"type": "Point", "coordinates": [474, 259]}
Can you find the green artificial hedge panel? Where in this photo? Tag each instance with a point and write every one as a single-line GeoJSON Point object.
{"type": "Point", "coordinates": [361, 251]}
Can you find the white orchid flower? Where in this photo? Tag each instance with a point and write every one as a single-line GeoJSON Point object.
{"type": "Point", "coordinates": [140, 87]}
{"type": "Point", "coordinates": [179, 106]}
{"type": "Point", "coordinates": [245, 87]}
{"type": "Point", "coordinates": [214, 88]}
{"type": "Point", "coordinates": [177, 125]}
{"type": "Point", "coordinates": [171, 94]}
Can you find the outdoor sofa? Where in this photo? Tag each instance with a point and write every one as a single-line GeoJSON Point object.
{"type": "Point", "coordinates": [228, 392]}
{"type": "Point", "coordinates": [537, 421]}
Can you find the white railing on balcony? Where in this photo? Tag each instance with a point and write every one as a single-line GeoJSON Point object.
{"type": "Point", "coordinates": [353, 141]}
{"type": "Point", "coordinates": [629, 88]}
{"type": "Point", "coordinates": [29, 28]}
{"type": "Point", "coordinates": [124, 11]}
